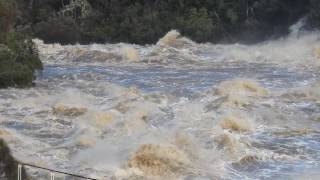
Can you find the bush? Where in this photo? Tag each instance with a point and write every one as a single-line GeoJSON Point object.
{"type": "Point", "coordinates": [15, 75]}
{"type": "Point", "coordinates": [5, 54]}
{"type": "Point", "coordinates": [197, 24]}
{"type": "Point", "coordinates": [18, 61]}
{"type": "Point", "coordinates": [7, 17]}
{"type": "Point", "coordinates": [24, 49]}
{"type": "Point", "coordinates": [94, 30]}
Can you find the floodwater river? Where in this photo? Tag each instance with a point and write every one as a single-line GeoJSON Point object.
{"type": "Point", "coordinates": [173, 110]}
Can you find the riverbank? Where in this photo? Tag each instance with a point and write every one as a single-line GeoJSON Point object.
{"type": "Point", "coordinates": [144, 22]}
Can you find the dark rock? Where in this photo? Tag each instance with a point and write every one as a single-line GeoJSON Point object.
{"type": "Point", "coordinates": [8, 164]}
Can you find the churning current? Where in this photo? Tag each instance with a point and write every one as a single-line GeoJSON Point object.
{"type": "Point", "coordinates": [173, 110]}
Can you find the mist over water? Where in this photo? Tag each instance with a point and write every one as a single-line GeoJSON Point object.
{"type": "Point", "coordinates": [173, 110]}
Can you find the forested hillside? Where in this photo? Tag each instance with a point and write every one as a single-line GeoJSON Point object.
{"type": "Point", "coordinates": [140, 21]}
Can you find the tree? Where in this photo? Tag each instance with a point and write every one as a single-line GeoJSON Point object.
{"type": "Point", "coordinates": [58, 30]}
{"type": "Point", "coordinates": [7, 17]}
{"type": "Point", "coordinates": [18, 61]}
{"type": "Point", "coordinates": [145, 21]}
{"type": "Point", "coordinates": [314, 15]}
{"type": "Point", "coordinates": [197, 24]}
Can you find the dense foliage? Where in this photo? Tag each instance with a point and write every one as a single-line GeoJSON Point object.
{"type": "Point", "coordinates": [141, 21]}
{"type": "Point", "coordinates": [18, 54]}
{"type": "Point", "coordinates": [314, 15]}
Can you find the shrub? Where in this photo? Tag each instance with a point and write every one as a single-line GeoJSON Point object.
{"type": "Point", "coordinates": [18, 61]}
{"type": "Point", "coordinates": [24, 49]}
{"type": "Point", "coordinates": [197, 24]}
{"type": "Point", "coordinates": [15, 75]}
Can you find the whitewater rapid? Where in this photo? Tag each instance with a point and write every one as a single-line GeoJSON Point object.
{"type": "Point", "coordinates": [173, 110]}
